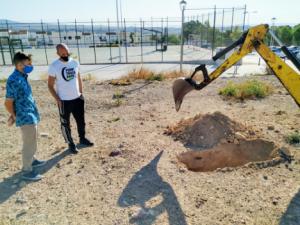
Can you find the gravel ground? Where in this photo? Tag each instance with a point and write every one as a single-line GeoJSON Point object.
{"type": "Point", "coordinates": [132, 176]}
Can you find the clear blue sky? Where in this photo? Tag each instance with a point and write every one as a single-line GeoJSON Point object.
{"type": "Point", "coordinates": [286, 12]}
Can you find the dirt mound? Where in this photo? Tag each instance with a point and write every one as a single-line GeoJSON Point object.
{"type": "Point", "coordinates": [222, 142]}
{"type": "Point", "coordinates": [205, 131]}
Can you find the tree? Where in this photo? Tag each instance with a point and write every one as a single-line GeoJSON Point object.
{"type": "Point", "coordinates": [173, 39]}
{"type": "Point", "coordinates": [296, 34]}
{"type": "Point", "coordinates": [285, 34]}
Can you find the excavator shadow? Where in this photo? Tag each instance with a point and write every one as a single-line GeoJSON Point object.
{"type": "Point", "coordinates": [292, 214]}
{"type": "Point", "coordinates": [147, 187]}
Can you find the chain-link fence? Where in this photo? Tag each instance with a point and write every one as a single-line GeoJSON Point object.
{"type": "Point", "coordinates": [153, 40]}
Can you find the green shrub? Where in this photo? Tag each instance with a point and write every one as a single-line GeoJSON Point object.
{"type": "Point", "coordinates": [249, 89]}
{"type": "Point", "coordinates": [293, 138]}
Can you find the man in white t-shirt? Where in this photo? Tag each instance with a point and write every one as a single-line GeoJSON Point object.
{"type": "Point", "coordinates": [64, 72]}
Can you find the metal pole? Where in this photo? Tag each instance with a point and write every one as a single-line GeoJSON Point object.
{"type": "Point", "coordinates": [222, 30]}
{"type": "Point", "coordinates": [213, 34]}
{"type": "Point", "coordinates": [161, 39]}
{"type": "Point", "coordinates": [207, 31]}
{"type": "Point", "coordinates": [2, 53]}
{"type": "Point", "coordinates": [59, 31]}
{"type": "Point", "coordinates": [45, 48]}
{"type": "Point", "coordinates": [78, 51]}
{"type": "Point", "coordinates": [125, 31]}
{"type": "Point", "coordinates": [201, 31]}
{"type": "Point", "coordinates": [232, 20]}
{"type": "Point", "coordinates": [109, 41]}
{"type": "Point", "coordinates": [92, 23]}
{"type": "Point", "coordinates": [245, 11]}
{"type": "Point", "coordinates": [182, 39]}
{"type": "Point", "coordinates": [118, 26]}
{"type": "Point", "coordinates": [9, 44]}
{"type": "Point", "coordinates": [141, 41]}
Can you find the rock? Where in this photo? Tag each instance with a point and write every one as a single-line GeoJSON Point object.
{"type": "Point", "coordinates": [239, 136]}
{"type": "Point", "coordinates": [20, 200]}
{"type": "Point", "coordinates": [115, 153]}
{"type": "Point", "coordinates": [44, 135]}
{"type": "Point", "coordinates": [21, 213]}
{"type": "Point", "coordinates": [271, 127]}
{"type": "Point", "coordinates": [70, 161]}
{"type": "Point", "coordinates": [223, 141]}
{"type": "Point", "coordinates": [265, 177]}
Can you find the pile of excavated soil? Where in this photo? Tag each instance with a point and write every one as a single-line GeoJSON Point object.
{"type": "Point", "coordinates": [205, 131]}
{"type": "Point", "coordinates": [221, 142]}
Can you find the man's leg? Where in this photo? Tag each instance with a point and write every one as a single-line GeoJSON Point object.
{"type": "Point", "coordinates": [65, 112]}
{"type": "Point", "coordinates": [78, 113]}
{"type": "Point", "coordinates": [29, 136]}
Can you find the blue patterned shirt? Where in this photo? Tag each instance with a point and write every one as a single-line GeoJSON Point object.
{"type": "Point", "coordinates": [18, 89]}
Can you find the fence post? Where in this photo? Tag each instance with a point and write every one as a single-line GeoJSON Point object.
{"type": "Point", "coordinates": [2, 53]}
{"type": "Point", "coordinates": [125, 31]}
{"type": "Point", "coordinates": [59, 31]}
{"type": "Point", "coordinates": [95, 56]}
{"type": "Point", "coordinates": [78, 51]}
{"type": "Point", "coordinates": [214, 32]}
{"type": "Point", "coordinates": [141, 41]}
{"type": "Point", "coordinates": [222, 29]}
{"type": "Point", "coordinates": [162, 35]}
{"type": "Point", "coordinates": [45, 47]}
{"type": "Point", "coordinates": [244, 19]}
{"type": "Point", "coordinates": [232, 18]}
{"type": "Point", "coordinates": [109, 40]}
{"type": "Point", "coordinates": [9, 45]}
{"type": "Point", "coordinates": [207, 31]}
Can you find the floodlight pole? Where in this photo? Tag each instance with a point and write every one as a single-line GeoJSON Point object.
{"type": "Point", "coordinates": [182, 4]}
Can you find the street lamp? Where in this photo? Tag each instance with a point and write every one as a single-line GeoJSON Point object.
{"type": "Point", "coordinates": [182, 7]}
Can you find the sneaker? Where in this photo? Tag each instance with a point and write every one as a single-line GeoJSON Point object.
{"type": "Point", "coordinates": [38, 163]}
{"type": "Point", "coordinates": [73, 149]}
{"type": "Point", "coordinates": [32, 176]}
{"type": "Point", "coordinates": [86, 142]}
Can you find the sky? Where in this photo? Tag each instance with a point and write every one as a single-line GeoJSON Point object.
{"type": "Point", "coordinates": [261, 11]}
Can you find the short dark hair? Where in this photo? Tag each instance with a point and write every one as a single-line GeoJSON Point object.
{"type": "Point", "coordinates": [62, 45]}
{"type": "Point", "coordinates": [20, 56]}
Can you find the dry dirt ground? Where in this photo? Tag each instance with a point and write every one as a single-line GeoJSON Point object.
{"type": "Point", "coordinates": [132, 175]}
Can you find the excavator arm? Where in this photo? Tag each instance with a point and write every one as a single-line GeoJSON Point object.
{"type": "Point", "coordinates": [250, 40]}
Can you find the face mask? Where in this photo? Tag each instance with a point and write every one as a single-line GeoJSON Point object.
{"type": "Point", "coordinates": [28, 69]}
{"type": "Point", "coordinates": [65, 58]}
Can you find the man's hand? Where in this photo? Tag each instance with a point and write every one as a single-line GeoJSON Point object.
{"type": "Point", "coordinates": [59, 104]}
{"type": "Point", "coordinates": [11, 120]}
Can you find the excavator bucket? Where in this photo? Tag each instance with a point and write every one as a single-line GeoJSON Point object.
{"type": "Point", "coordinates": [180, 88]}
{"type": "Point", "coordinates": [184, 85]}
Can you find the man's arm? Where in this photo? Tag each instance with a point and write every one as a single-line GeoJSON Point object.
{"type": "Point", "coordinates": [9, 105]}
{"type": "Point", "coordinates": [51, 82]}
{"type": "Point", "coordinates": [80, 83]}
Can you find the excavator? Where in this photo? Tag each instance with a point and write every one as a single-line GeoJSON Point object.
{"type": "Point", "coordinates": [252, 39]}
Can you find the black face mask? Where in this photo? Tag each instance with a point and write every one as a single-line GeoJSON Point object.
{"type": "Point", "coordinates": [65, 58]}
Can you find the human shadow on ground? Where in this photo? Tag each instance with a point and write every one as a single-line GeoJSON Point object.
{"type": "Point", "coordinates": [148, 185]}
{"type": "Point", "coordinates": [13, 184]}
{"type": "Point", "coordinates": [292, 213]}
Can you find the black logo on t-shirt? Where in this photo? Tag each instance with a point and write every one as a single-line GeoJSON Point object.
{"type": "Point", "coordinates": [68, 73]}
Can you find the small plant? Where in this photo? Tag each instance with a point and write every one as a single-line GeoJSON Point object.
{"type": "Point", "coordinates": [293, 138]}
{"type": "Point", "coordinates": [250, 89]}
{"type": "Point", "coordinates": [157, 77]}
{"type": "Point", "coordinates": [113, 120]}
{"type": "Point", "coordinates": [118, 98]}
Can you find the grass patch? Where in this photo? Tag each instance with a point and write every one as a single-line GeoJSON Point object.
{"type": "Point", "coordinates": [293, 138]}
{"type": "Point", "coordinates": [3, 80]}
{"type": "Point", "coordinates": [118, 98]}
{"type": "Point", "coordinates": [250, 89]}
{"type": "Point", "coordinates": [146, 74]}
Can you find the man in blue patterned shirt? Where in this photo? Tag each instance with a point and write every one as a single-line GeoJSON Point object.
{"type": "Point", "coordinates": [22, 108]}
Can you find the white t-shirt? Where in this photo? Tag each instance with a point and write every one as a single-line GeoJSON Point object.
{"type": "Point", "coordinates": [66, 75]}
